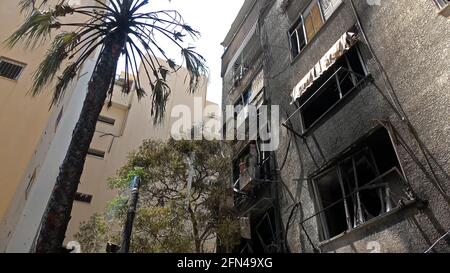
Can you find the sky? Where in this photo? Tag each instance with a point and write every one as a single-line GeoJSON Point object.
{"type": "Point", "coordinates": [213, 18]}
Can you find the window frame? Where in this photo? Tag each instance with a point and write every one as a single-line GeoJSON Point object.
{"type": "Point", "coordinates": [301, 21]}
{"type": "Point", "coordinates": [342, 96]}
{"type": "Point", "coordinates": [335, 166]}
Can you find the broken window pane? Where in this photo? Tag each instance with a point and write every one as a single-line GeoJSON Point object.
{"type": "Point", "coordinates": [329, 191]}
{"type": "Point", "coordinates": [364, 184]}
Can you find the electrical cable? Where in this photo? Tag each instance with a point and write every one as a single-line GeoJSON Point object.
{"type": "Point", "coordinates": [395, 103]}
{"type": "Point", "coordinates": [435, 243]}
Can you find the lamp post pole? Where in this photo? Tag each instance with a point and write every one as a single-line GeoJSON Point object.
{"type": "Point", "coordinates": [128, 227]}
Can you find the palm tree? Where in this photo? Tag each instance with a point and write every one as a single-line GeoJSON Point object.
{"type": "Point", "coordinates": [120, 28]}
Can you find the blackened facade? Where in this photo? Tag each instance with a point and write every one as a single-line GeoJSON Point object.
{"type": "Point", "coordinates": [363, 164]}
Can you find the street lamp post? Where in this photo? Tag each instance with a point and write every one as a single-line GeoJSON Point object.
{"type": "Point", "coordinates": [128, 227]}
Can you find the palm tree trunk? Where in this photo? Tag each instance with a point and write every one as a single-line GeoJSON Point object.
{"type": "Point", "coordinates": [57, 215]}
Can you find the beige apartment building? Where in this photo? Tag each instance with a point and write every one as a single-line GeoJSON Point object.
{"type": "Point", "coordinates": [121, 129]}
{"type": "Point", "coordinates": [34, 139]}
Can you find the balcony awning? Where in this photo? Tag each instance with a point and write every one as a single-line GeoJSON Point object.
{"type": "Point", "coordinates": [337, 50]}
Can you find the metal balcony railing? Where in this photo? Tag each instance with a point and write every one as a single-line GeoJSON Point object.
{"type": "Point", "coordinates": [336, 79]}
{"type": "Point", "coordinates": [251, 182]}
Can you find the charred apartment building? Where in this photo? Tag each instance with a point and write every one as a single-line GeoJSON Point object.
{"type": "Point", "coordinates": [364, 157]}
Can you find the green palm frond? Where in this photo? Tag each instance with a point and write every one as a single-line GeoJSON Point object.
{"type": "Point", "coordinates": [28, 5]}
{"type": "Point", "coordinates": [63, 82]}
{"type": "Point", "coordinates": [36, 29]}
{"type": "Point", "coordinates": [58, 52]}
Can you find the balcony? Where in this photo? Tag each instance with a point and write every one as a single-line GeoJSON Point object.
{"type": "Point", "coordinates": [244, 65]}
{"type": "Point", "coordinates": [252, 176]}
{"type": "Point", "coordinates": [325, 97]}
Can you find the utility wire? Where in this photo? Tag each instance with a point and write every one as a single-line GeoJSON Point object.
{"type": "Point", "coordinates": [435, 243]}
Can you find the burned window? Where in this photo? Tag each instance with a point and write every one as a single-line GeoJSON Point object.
{"type": "Point", "coordinates": [310, 22]}
{"type": "Point", "coordinates": [362, 185]}
{"type": "Point", "coordinates": [332, 86]}
{"type": "Point", "coordinates": [259, 233]}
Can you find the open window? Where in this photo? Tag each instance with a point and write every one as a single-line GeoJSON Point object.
{"type": "Point", "coordinates": [262, 234]}
{"type": "Point", "coordinates": [363, 184]}
{"type": "Point", "coordinates": [310, 22]}
{"type": "Point", "coordinates": [331, 87]}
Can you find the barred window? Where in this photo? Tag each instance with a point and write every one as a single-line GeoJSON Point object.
{"type": "Point", "coordinates": [10, 69]}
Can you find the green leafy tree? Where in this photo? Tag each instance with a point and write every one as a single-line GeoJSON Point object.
{"type": "Point", "coordinates": [167, 220]}
{"type": "Point", "coordinates": [121, 28]}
